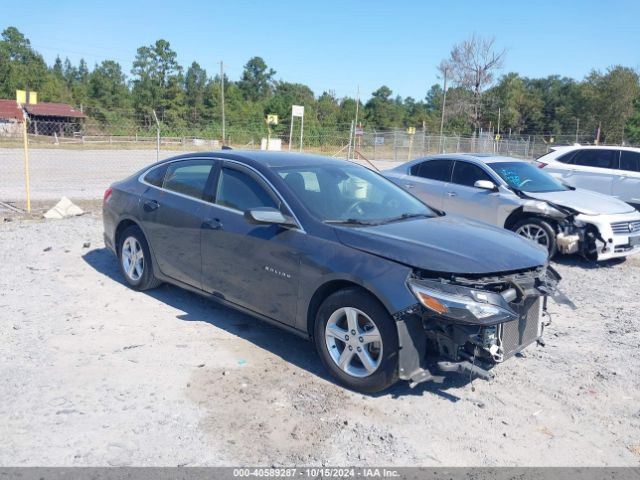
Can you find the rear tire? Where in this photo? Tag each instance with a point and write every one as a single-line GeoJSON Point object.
{"type": "Point", "coordinates": [357, 340]}
{"type": "Point", "coordinates": [539, 231]}
{"type": "Point", "coordinates": [134, 259]}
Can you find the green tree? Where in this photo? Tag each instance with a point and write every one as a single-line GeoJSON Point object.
{"type": "Point", "coordinates": [58, 68]}
{"type": "Point", "coordinates": [157, 82]}
{"type": "Point", "coordinates": [286, 94]}
{"type": "Point", "coordinates": [383, 112]}
{"type": "Point", "coordinates": [21, 67]}
{"type": "Point", "coordinates": [632, 130]}
{"type": "Point", "coordinates": [610, 98]}
{"type": "Point", "coordinates": [517, 105]}
{"type": "Point", "coordinates": [328, 109]}
{"type": "Point", "coordinates": [108, 86]}
{"type": "Point", "coordinates": [257, 80]}
{"type": "Point", "coordinates": [195, 86]}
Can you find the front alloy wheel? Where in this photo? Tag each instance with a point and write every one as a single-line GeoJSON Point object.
{"type": "Point", "coordinates": [539, 231]}
{"type": "Point", "coordinates": [354, 342]}
{"type": "Point", "coordinates": [357, 340]}
{"type": "Point", "coordinates": [534, 233]}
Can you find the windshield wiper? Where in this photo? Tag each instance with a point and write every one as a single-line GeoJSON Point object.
{"type": "Point", "coordinates": [406, 216]}
{"type": "Point", "coordinates": [351, 221]}
{"type": "Point", "coordinates": [355, 221]}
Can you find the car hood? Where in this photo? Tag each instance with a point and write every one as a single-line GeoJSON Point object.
{"type": "Point", "coordinates": [448, 244]}
{"type": "Point", "coordinates": [585, 201]}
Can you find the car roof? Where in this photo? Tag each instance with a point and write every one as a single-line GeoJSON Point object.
{"type": "Point", "coordinates": [258, 158]}
{"type": "Point", "coordinates": [472, 157]}
{"type": "Point", "coordinates": [568, 148]}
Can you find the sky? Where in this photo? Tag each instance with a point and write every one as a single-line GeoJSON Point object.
{"type": "Point", "coordinates": [341, 46]}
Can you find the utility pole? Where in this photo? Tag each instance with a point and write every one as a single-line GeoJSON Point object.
{"type": "Point", "coordinates": [356, 121]}
{"type": "Point", "coordinates": [155, 117]}
{"type": "Point", "coordinates": [350, 140]}
{"type": "Point", "coordinates": [577, 128]}
{"type": "Point", "coordinates": [444, 101]}
{"type": "Point", "coordinates": [498, 132]}
{"type": "Point", "coordinates": [222, 100]}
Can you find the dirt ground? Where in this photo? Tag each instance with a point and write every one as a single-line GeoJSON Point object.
{"type": "Point", "coordinates": [93, 373]}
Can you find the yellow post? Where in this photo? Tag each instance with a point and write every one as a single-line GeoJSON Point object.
{"type": "Point", "coordinates": [26, 162]}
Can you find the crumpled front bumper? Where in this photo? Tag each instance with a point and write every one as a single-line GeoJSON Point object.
{"type": "Point", "coordinates": [613, 244]}
{"type": "Point", "coordinates": [431, 345]}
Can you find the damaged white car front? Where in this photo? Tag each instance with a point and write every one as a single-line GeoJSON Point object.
{"type": "Point", "coordinates": [596, 228]}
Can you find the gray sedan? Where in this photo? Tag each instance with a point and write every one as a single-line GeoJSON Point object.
{"type": "Point", "coordinates": [333, 252]}
{"type": "Point", "coordinates": [517, 195]}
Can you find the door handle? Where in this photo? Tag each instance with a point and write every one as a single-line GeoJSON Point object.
{"type": "Point", "coordinates": [451, 194]}
{"type": "Point", "coordinates": [212, 224]}
{"type": "Point", "coordinates": [409, 185]}
{"type": "Point", "coordinates": [150, 205]}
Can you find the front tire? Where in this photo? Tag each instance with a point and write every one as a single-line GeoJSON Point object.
{"type": "Point", "coordinates": [539, 231]}
{"type": "Point", "coordinates": [357, 341]}
{"type": "Point", "coordinates": [135, 260]}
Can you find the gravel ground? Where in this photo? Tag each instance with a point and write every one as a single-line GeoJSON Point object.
{"type": "Point", "coordinates": [95, 374]}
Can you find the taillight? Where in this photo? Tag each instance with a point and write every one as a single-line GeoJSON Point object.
{"type": "Point", "coordinates": [541, 164]}
{"type": "Point", "coordinates": [107, 194]}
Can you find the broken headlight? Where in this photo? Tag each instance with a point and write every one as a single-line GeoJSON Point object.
{"type": "Point", "coordinates": [543, 208]}
{"type": "Point", "coordinates": [465, 305]}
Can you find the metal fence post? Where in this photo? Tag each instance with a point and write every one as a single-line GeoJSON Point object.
{"type": "Point", "coordinates": [25, 137]}
{"type": "Point", "coordinates": [395, 145]}
{"type": "Point", "coordinates": [375, 144]}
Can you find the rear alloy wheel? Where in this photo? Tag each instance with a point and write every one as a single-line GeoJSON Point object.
{"type": "Point", "coordinates": [132, 258]}
{"type": "Point", "coordinates": [135, 260]}
{"type": "Point", "coordinates": [538, 231]}
{"type": "Point", "coordinates": [357, 340]}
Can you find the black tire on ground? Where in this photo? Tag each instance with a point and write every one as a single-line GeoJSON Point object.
{"type": "Point", "coordinates": [552, 246]}
{"type": "Point", "coordinates": [386, 373]}
{"type": "Point", "coordinates": [147, 279]}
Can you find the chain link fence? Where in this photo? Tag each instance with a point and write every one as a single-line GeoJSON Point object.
{"type": "Point", "coordinates": [80, 158]}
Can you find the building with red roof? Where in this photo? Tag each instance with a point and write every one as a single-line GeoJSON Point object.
{"type": "Point", "coordinates": [44, 118]}
{"type": "Point", "coordinates": [10, 117]}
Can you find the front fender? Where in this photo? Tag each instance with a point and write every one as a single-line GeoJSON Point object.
{"type": "Point", "coordinates": [334, 262]}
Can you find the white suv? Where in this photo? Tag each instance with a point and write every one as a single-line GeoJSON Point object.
{"type": "Point", "coordinates": [610, 170]}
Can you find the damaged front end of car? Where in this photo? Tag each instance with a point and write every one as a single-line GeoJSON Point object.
{"type": "Point", "coordinates": [469, 323]}
{"type": "Point", "coordinates": [574, 234]}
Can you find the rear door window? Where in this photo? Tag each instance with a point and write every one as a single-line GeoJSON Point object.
{"type": "Point", "coordinates": [155, 177]}
{"type": "Point", "coordinates": [467, 174]}
{"type": "Point", "coordinates": [566, 158]}
{"type": "Point", "coordinates": [188, 177]}
{"type": "Point", "coordinates": [596, 158]}
{"type": "Point", "coordinates": [439, 170]}
{"type": "Point", "coordinates": [630, 161]}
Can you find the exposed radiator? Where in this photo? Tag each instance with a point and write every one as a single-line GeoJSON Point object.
{"type": "Point", "coordinates": [519, 333]}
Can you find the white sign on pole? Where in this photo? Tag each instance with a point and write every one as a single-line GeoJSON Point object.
{"type": "Point", "coordinates": [297, 111]}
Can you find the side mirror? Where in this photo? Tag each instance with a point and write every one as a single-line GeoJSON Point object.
{"type": "Point", "coordinates": [268, 216]}
{"type": "Point", "coordinates": [485, 184]}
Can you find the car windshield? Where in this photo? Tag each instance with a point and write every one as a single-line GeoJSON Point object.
{"type": "Point", "coordinates": [526, 177]}
{"type": "Point", "coordinates": [351, 194]}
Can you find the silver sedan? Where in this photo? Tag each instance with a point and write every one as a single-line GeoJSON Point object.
{"type": "Point", "coordinates": [517, 195]}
